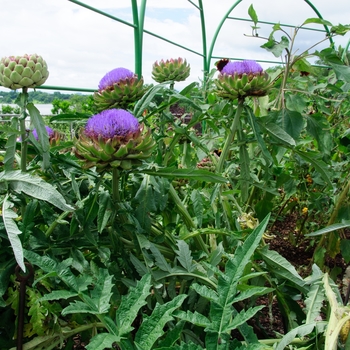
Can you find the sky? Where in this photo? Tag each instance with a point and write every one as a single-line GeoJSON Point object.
{"type": "Point", "coordinates": [80, 46]}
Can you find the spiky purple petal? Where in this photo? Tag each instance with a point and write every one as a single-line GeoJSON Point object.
{"type": "Point", "coordinates": [114, 76]}
{"type": "Point", "coordinates": [243, 67]}
{"type": "Point", "coordinates": [110, 123]}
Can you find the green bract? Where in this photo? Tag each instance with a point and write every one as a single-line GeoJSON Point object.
{"type": "Point", "coordinates": [121, 94]}
{"type": "Point", "coordinates": [239, 86]}
{"type": "Point", "coordinates": [122, 152]}
{"type": "Point", "coordinates": [23, 71]}
{"type": "Point", "coordinates": [174, 69]}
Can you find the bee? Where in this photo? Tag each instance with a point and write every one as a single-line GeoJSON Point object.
{"type": "Point", "coordinates": [221, 64]}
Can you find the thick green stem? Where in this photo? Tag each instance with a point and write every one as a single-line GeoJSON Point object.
{"type": "Point", "coordinates": [115, 185]}
{"type": "Point", "coordinates": [24, 142]}
{"type": "Point", "coordinates": [230, 136]}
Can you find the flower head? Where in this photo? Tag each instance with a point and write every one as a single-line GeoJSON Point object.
{"type": "Point", "coordinates": [113, 139]}
{"type": "Point", "coordinates": [114, 77]}
{"type": "Point", "coordinates": [49, 131]}
{"type": "Point", "coordinates": [241, 78]}
{"type": "Point", "coordinates": [23, 71]}
{"type": "Point", "coordinates": [172, 69]}
{"type": "Point", "coordinates": [118, 89]}
{"type": "Point", "coordinates": [110, 123]}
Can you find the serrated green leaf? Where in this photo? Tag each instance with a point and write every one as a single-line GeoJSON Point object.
{"type": "Point", "coordinates": [184, 256]}
{"type": "Point", "coordinates": [242, 317]}
{"type": "Point", "coordinates": [8, 216]}
{"type": "Point", "coordinates": [78, 307]}
{"type": "Point", "coordinates": [282, 267]}
{"type": "Point", "coordinates": [257, 133]}
{"type": "Point", "coordinates": [102, 341]}
{"type": "Point", "coordinates": [221, 312]}
{"type": "Point", "coordinates": [43, 137]}
{"type": "Point", "coordinates": [58, 294]}
{"type": "Point", "coordinates": [172, 336]}
{"type": "Point", "coordinates": [252, 291]}
{"type": "Point", "coordinates": [104, 210]}
{"type": "Point", "coordinates": [197, 202]}
{"type": "Point", "coordinates": [301, 331]}
{"type": "Point", "coordinates": [160, 260]}
{"type": "Point", "coordinates": [194, 318]}
{"type": "Point", "coordinates": [205, 292]}
{"type": "Point", "coordinates": [102, 291]}
{"type": "Point", "coordinates": [278, 133]}
{"type": "Point", "coordinates": [131, 304]}
{"type": "Point", "coordinates": [34, 187]}
{"type": "Point", "coordinates": [314, 302]}
{"type": "Point", "coordinates": [145, 203]}
{"type": "Point", "coordinates": [151, 328]}
{"type": "Point", "coordinates": [329, 228]}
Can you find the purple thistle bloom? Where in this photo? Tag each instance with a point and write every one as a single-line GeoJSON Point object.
{"type": "Point", "coordinates": [232, 68]}
{"type": "Point", "coordinates": [239, 68]}
{"type": "Point", "coordinates": [114, 76]}
{"type": "Point", "coordinates": [50, 132]}
{"type": "Point", "coordinates": [110, 123]}
{"type": "Point", "coordinates": [252, 67]}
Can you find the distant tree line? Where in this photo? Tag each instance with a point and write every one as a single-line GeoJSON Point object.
{"type": "Point", "coordinates": [34, 96]}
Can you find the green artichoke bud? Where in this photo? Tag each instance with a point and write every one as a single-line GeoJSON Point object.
{"type": "Point", "coordinates": [206, 164]}
{"type": "Point", "coordinates": [28, 71]}
{"type": "Point", "coordinates": [174, 69]}
{"type": "Point", "coordinates": [118, 89]}
{"type": "Point", "coordinates": [113, 139]}
{"type": "Point", "coordinates": [241, 79]}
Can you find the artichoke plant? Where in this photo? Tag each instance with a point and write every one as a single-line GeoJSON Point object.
{"type": "Point", "coordinates": [118, 89]}
{"type": "Point", "coordinates": [113, 139]}
{"type": "Point", "coordinates": [241, 79]}
{"type": "Point", "coordinates": [27, 71]}
{"type": "Point", "coordinates": [174, 69]}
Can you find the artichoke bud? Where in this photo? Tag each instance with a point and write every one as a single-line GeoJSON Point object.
{"type": "Point", "coordinates": [174, 69]}
{"type": "Point", "coordinates": [118, 89]}
{"type": "Point", "coordinates": [206, 164]}
{"type": "Point", "coordinates": [27, 71]}
{"type": "Point", "coordinates": [241, 79]}
{"type": "Point", "coordinates": [113, 139]}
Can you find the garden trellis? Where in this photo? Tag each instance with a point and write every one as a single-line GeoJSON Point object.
{"type": "Point", "coordinates": [207, 53]}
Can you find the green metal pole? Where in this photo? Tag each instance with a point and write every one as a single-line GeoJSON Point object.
{"type": "Point", "coordinates": [211, 49]}
{"type": "Point", "coordinates": [204, 40]}
{"type": "Point", "coordinates": [137, 46]}
{"type": "Point", "coordinates": [319, 15]}
{"type": "Point", "coordinates": [101, 12]}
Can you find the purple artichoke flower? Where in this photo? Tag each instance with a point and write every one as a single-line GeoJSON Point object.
{"type": "Point", "coordinates": [243, 67]}
{"type": "Point", "coordinates": [114, 77]}
{"type": "Point", "coordinates": [110, 123]}
{"type": "Point", "coordinates": [113, 139]}
{"type": "Point", "coordinates": [50, 132]}
{"type": "Point", "coordinates": [241, 79]}
{"type": "Point", "coordinates": [118, 89]}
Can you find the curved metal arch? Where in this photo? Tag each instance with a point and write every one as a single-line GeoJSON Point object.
{"type": "Point", "coordinates": [218, 29]}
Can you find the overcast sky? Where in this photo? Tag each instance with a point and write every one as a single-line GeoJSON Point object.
{"type": "Point", "coordinates": [80, 45]}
